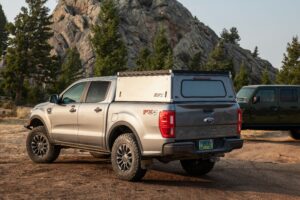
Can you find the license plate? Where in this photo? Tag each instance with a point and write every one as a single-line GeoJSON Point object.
{"type": "Point", "coordinates": [206, 144]}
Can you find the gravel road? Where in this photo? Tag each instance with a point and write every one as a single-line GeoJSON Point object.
{"type": "Point", "coordinates": [268, 167]}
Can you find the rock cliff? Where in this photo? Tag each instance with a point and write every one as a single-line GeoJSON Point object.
{"type": "Point", "coordinates": [140, 19]}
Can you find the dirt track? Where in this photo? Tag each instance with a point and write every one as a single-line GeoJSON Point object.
{"type": "Point", "coordinates": [268, 167]}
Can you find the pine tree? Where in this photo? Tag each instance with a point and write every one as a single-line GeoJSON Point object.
{"type": "Point", "coordinates": [265, 79]}
{"type": "Point", "coordinates": [255, 53]}
{"type": "Point", "coordinates": [290, 71]}
{"type": "Point", "coordinates": [195, 62]}
{"type": "Point", "coordinates": [110, 50]}
{"type": "Point", "coordinates": [18, 61]}
{"type": "Point", "coordinates": [3, 32]}
{"type": "Point", "coordinates": [242, 78]}
{"type": "Point", "coordinates": [71, 70]}
{"type": "Point", "coordinates": [162, 52]}
{"type": "Point", "coordinates": [218, 60]}
{"type": "Point", "coordinates": [231, 36]}
{"type": "Point", "coordinates": [143, 61]}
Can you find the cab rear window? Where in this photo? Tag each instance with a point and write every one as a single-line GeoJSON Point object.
{"type": "Point", "coordinates": [203, 89]}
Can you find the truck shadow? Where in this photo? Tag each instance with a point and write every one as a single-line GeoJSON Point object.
{"type": "Point", "coordinates": [242, 176]}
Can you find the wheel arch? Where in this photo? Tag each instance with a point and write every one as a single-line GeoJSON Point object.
{"type": "Point", "coordinates": [118, 129]}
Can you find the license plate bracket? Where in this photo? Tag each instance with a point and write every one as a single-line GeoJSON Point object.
{"type": "Point", "coordinates": [204, 145]}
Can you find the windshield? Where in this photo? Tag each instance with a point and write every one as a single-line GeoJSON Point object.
{"type": "Point", "coordinates": [244, 94]}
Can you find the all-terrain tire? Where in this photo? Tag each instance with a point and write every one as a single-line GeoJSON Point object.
{"type": "Point", "coordinates": [126, 158]}
{"type": "Point", "coordinates": [295, 134]}
{"type": "Point", "coordinates": [197, 167]}
{"type": "Point", "coordinates": [39, 147]}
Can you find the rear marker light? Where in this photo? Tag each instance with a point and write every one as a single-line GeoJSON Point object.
{"type": "Point", "coordinates": [167, 123]}
{"type": "Point", "coordinates": [239, 121]}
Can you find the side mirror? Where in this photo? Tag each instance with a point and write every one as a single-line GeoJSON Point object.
{"type": "Point", "coordinates": [54, 99]}
{"type": "Point", "coordinates": [256, 99]}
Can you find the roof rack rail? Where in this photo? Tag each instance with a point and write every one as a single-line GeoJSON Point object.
{"type": "Point", "coordinates": [169, 72]}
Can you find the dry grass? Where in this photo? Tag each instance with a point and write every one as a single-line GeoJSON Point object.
{"type": "Point", "coordinates": [23, 112]}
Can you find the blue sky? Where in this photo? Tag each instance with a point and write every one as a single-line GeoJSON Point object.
{"type": "Point", "coordinates": [268, 24]}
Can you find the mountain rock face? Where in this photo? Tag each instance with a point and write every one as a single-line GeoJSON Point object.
{"type": "Point", "coordinates": [140, 19]}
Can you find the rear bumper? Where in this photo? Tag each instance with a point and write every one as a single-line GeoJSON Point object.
{"type": "Point", "coordinates": [189, 149]}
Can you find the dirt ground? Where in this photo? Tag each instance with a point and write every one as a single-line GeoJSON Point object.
{"type": "Point", "coordinates": [268, 167]}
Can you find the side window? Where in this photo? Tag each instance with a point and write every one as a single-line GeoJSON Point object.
{"type": "Point", "coordinates": [288, 95]}
{"type": "Point", "coordinates": [266, 95]}
{"type": "Point", "coordinates": [97, 91]}
{"type": "Point", "coordinates": [73, 95]}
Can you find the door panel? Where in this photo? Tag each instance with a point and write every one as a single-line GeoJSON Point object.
{"type": "Point", "coordinates": [92, 115]}
{"type": "Point", "coordinates": [63, 116]}
{"type": "Point", "coordinates": [266, 109]}
{"type": "Point", "coordinates": [289, 106]}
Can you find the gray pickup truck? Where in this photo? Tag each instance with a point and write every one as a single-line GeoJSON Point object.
{"type": "Point", "coordinates": [136, 117]}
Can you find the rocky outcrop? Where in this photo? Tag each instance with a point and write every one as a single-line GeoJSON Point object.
{"type": "Point", "coordinates": [140, 19]}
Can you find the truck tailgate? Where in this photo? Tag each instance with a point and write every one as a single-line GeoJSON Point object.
{"type": "Point", "coordinates": [206, 120]}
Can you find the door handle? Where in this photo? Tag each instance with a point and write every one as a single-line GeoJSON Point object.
{"type": "Point", "coordinates": [98, 110]}
{"type": "Point", "coordinates": [274, 108]}
{"type": "Point", "coordinates": [73, 110]}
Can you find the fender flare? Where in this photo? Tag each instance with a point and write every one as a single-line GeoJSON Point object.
{"type": "Point", "coordinates": [123, 123]}
{"type": "Point", "coordinates": [43, 122]}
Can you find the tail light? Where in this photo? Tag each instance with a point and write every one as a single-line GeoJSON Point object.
{"type": "Point", "coordinates": [167, 123]}
{"type": "Point", "coordinates": [239, 121]}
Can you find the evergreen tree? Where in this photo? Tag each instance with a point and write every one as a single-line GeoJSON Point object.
{"type": "Point", "coordinates": [71, 70]}
{"type": "Point", "coordinates": [218, 60]}
{"type": "Point", "coordinates": [232, 36]}
{"type": "Point", "coordinates": [242, 78]}
{"type": "Point", "coordinates": [255, 53]}
{"type": "Point", "coordinates": [290, 71]}
{"type": "Point", "coordinates": [195, 62]}
{"type": "Point", "coordinates": [143, 61]}
{"type": "Point", "coordinates": [18, 61]}
{"type": "Point", "coordinates": [265, 79]}
{"type": "Point", "coordinates": [162, 52]}
{"type": "Point", "coordinates": [111, 53]}
{"type": "Point", "coordinates": [3, 32]}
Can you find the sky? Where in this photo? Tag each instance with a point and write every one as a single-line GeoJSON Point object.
{"type": "Point", "coordinates": [268, 24]}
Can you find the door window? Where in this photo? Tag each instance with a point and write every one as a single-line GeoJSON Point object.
{"type": "Point", "coordinates": [73, 95]}
{"type": "Point", "coordinates": [266, 95]}
{"type": "Point", "coordinates": [97, 91]}
{"type": "Point", "coordinates": [288, 95]}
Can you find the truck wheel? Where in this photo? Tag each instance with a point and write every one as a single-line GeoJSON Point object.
{"type": "Point", "coordinates": [197, 167]}
{"type": "Point", "coordinates": [126, 158]}
{"type": "Point", "coordinates": [39, 148]}
{"type": "Point", "coordinates": [295, 134]}
{"type": "Point", "coordinates": [99, 155]}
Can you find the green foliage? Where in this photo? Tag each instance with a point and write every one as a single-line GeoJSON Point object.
{"type": "Point", "coordinates": [143, 61]}
{"type": "Point", "coordinates": [163, 54]}
{"type": "Point", "coordinates": [232, 36]}
{"type": "Point", "coordinates": [265, 79]}
{"type": "Point", "coordinates": [28, 55]}
{"type": "Point", "coordinates": [195, 62]}
{"type": "Point", "coordinates": [242, 78]}
{"type": "Point", "coordinates": [71, 70]}
{"type": "Point", "coordinates": [161, 57]}
{"type": "Point", "coordinates": [218, 60]}
{"type": "Point", "coordinates": [255, 53]}
{"type": "Point", "coordinates": [290, 71]}
{"type": "Point", "coordinates": [3, 32]}
{"type": "Point", "coordinates": [111, 53]}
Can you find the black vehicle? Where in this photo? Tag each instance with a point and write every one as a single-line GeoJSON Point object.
{"type": "Point", "coordinates": [271, 107]}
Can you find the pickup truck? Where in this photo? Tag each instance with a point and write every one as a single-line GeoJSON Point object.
{"type": "Point", "coordinates": [271, 107]}
{"type": "Point", "coordinates": [136, 117]}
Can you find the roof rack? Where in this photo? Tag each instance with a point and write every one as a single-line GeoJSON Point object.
{"type": "Point", "coordinates": [169, 72]}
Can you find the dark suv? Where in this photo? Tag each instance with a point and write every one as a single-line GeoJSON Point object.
{"type": "Point", "coordinates": [271, 107]}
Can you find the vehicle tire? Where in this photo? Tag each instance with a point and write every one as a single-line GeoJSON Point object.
{"type": "Point", "coordinates": [295, 134]}
{"type": "Point", "coordinates": [39, 147]}
{"type": "Point", "coordinates": [197, 167]}
{"type": "Point", "coordinates": [126, 158]}
{"type": "Point", "coordinates": [99, 155]}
